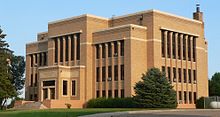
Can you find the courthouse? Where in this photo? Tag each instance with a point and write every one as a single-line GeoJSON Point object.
{"type": "Point", "coordinates": [87, 56]}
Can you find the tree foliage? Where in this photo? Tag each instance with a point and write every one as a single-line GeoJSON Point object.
{"type": "Point", "coordinates": [11, 72]}
{"type": "Point", "coordinates": [154, 91]}
{"type": "Point", "coordinates": [214, 85]}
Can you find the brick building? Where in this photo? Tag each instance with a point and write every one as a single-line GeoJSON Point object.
{"type": "Point", "coordinates": [87, 56]}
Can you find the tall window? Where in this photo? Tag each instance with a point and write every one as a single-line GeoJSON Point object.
{"type": "Point", "coordinates": [116, 72]}
{"type": "Point", "coordinates": [64, 87]}
{"type": "Point", "coordinates": [103, 50]}
{"type": "Point", "coordinates": [97, 94]}
{"type": "Point", "coordinates": [109, 93]}
{"type": "Point", "coordinates": [194, 76]}
{"type": "Point", "coordinates": [73, 87]}
{"type": "Point", "coordinates": [168, 72]}
{"type": "Point", "coordinates": [184, 75]}
{"type": "Point", "coordinates": [195, 97]}
{"type": "Point", "coordinates": [67, 48]}
{"type": "Point", "coordinates": [189, 75]}
{"type": "Point", "coordinates": [190, 97]}
{"type": "Point", "coordinates": [185, 97]}
{"type": "Point", "coordinates": [115, 49]}
{"type": "Point", "coordinates": [31, 60]}
{"type": "Point", "coordinates": [189, 49]}
{"type": "Point", "coordinates": [122, 72]}
{"type": "Point", "coordinates": [122, 93]}
{"type": "Point", "coordinates": [40, 61]}
{"type": "Point", "coordinates": [103, 93]}
{"type": "Point", "coordinates": [162, 44]}
{"type": "Point", "coordinates": [122, 48]}
{"type": "Point", "coordinates": [61, 49]}
{"type": "Point", "coordinates": [194, 49]}
{"type": "Point", "coordinates": [180, 74]}
{"type": "Point", "coordinates": [168, 44]}
{"type": "Point", "coordinates": [97, 74]}
{"type": "Point", "coordinates": [174, 74]}
{"type": "Point", "coordinates": [35, 84]}
{"type": "Point", "coordinates": [109, 73]}
{"type": "Point", "coordinates": [164, 70]}
{"type": "Point", "coordinates": [78, 47]}
{"type": "Point", "coordinates": [174, 45]}
{"type": "Point", "coordinates": [184, 47]}
{"type": "Point", "coordinates": [103, 74]}
{"type": "Point", "coordinates": [109, 50]}
{"type": "Point", "coordinates": [45, 58]}
{"type": "Point", "coordinates": [31, 80]}
{"type": "Point", "coordinates": [180, 95]}
{"type": "Point", "coordinates": [72, 47]}
{"type": "Point", "coordinates": [97, 52]}
{"type": "Point", "coordinates": [116, 93]}
{"type": "Point", "coordinates": [179, 47]}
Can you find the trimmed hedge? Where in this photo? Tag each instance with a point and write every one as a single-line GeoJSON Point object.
{"type": "Point", "coordinates": [200, 103]}
{"type": "Point", "coordinates": [112, 103]}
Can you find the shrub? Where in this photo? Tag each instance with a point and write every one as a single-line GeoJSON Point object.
{"type": "Point", "coordinates": [111, 103]}
{"type": "Point", "coordinates": [68, 105]}
{"type": "Point", "coordinates": [200, 103]}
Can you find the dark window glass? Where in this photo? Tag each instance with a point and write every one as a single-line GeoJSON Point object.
{"type": "Point", "coordinates": [56, 50]}
{"type": "Point", "coordinates": [116, 72]}
{"type": "Point", "coordinates": [109, 73]}
{"type": "Point", "coordinates": [61, 49]}
{"type": "Point", "coordinates": [195, 97]}
{"type": "Point", "coordinates": [122, 93]}
{"type": "Point", "coordinates": [189, 49]}
{"type": "Point", "coordinates": [36, 58]}
{"type": "Point", "coordinates": [97, 52]}
{"type": "Point", "coordinates": [103, 50]}
{"type": "Point", "coordinates": [185, 96]}
{"type": "Point", "coordinates": [174, 46]}
{"type": "Point", "coordinates": [184, 47]}
{"type": "Point", "coordinates": [32, 80]}
{"type": "Point", "coordinates": [109, 50]}
{"type": "Point", "coordinates": [179, 47]}
{"type": "Point", "coordinates": [35, 84]}
{"type": "Point", "coordinates": [40, 61]}
{"type": "Point", "coordinates": [103, 74]}
{"type": "Point", "coordinates": [72, 48]}
{"type": "Point", "coordinates": [122, 48]}
{"type": "Point", "coordinates": [162, 44]}
{"type": "Point", "coordinates": [45, 58]}
{"type": "Point", "coordinates": [168, 72]}
{"type": "Point", "coordinates": [194, 76]}
{"type": "Point", "coordinates": [174, 74]}
{"type": "Point", "coordinates": [31, 60]}
{"type": "Point", "coordinates": [189, 75]}
{"type": "Point", "coordinates": [74, 87]}
{"type": "Point", "coordinates": [122, 72]}
{"type": "Point", "coordinates": [194, 49]}
{"type": "Point", "coordinates": [78, 47]}
{"type": "Point", "coordinates": [64, 87]}
{"type": "Point", "coordinates": [116, 93]}
{"type": "Point", "coordinates": [180, 74]}
{"type": "Point", "coordinates": [45, 93]}
{"type": "Point", "coordinates": [97, 74]}
{"type": "Point", "coordinates": [190, 97]}
{"type": "Point", "coordinates": [180, 95]}
{"type": "Point", "coordinates": [109, 93]}
{"type": "Point", "coordinates": [67, 48]}
{"type": "Point", "coordinates": [103, 93]}
{"type": "Point", "coordinates": [115, 49]}
{"type": "Point", "coordinates": [97, 94]}
{"type": "Point", "coordinates": [49, 83]}
{"type": "Point", "coordinates": [184, 75]}
{"type": "Point", "coordinates": [168, 44]}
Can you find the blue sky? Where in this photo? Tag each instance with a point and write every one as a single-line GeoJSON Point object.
{"type": "Point", "coordinates": [23, 19]}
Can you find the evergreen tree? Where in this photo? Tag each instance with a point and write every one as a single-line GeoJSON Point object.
{"type": "Point", "coordinates": [214, 85]}
{"type": "Point", "coordinates": [154, 91]}
{"type": "Point", "coordinates": [7, 90]}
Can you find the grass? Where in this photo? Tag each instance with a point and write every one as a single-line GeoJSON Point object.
{"type": "Point", "coordinates": [60, 112]}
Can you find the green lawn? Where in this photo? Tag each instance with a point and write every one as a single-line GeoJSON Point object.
{"type": "Point", "coordinates": [60, 112]}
